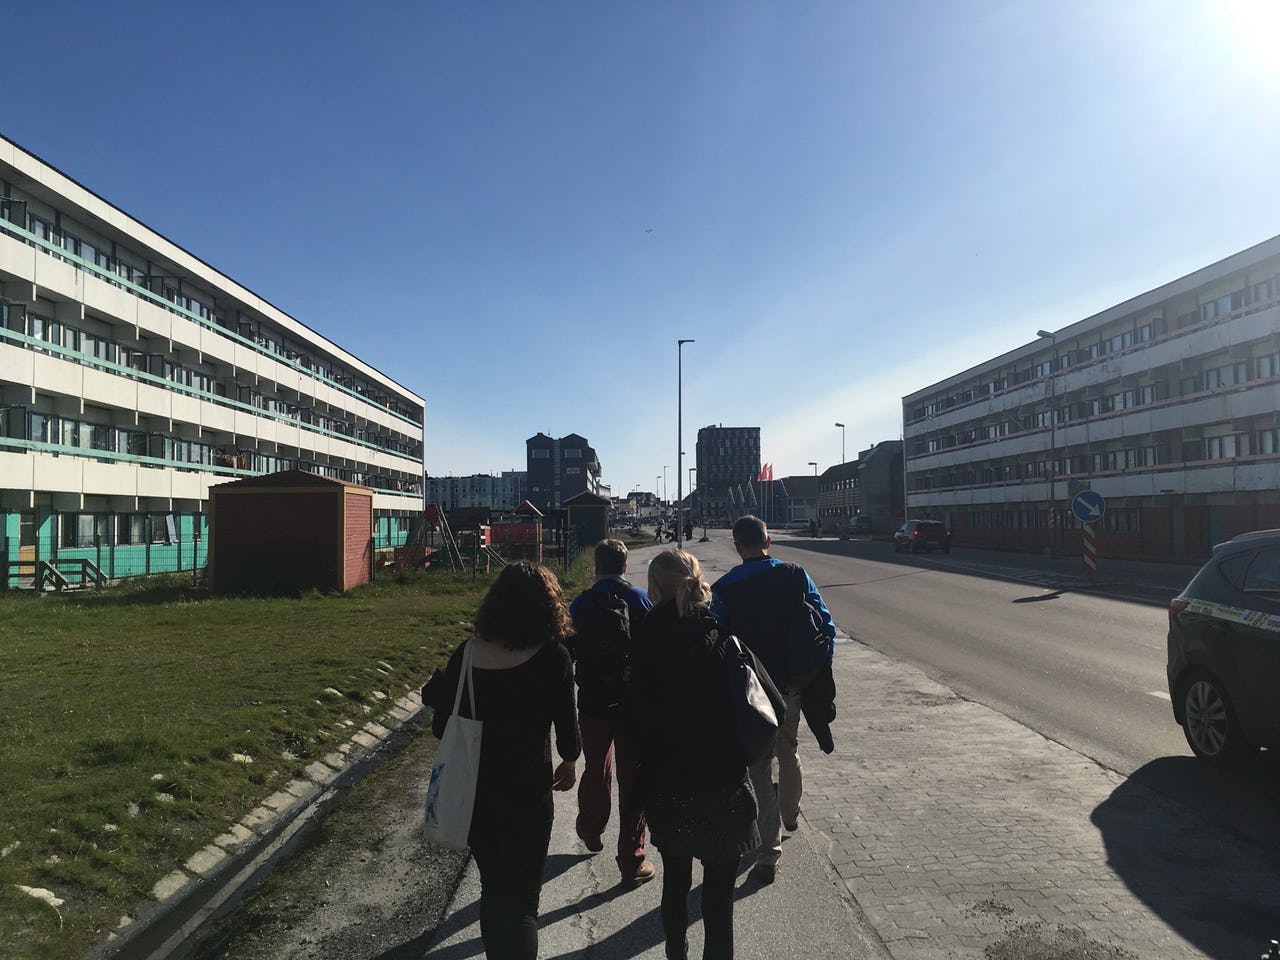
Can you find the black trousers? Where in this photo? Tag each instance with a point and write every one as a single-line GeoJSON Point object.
{"type": "Point", "coordinates": [510, 851]}
{"type": "Point", "coordinates": [717, 907]}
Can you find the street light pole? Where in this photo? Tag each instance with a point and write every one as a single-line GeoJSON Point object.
{"type": "Point", "coordinates": [680, 440]}
{"type": "Point", "coordinates": [844, 509]}
{"type": "Point", "coordinates": [1053, 431]}
{"type": "Point", "coordinates": [814, 464]}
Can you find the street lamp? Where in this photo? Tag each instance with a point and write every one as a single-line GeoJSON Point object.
{"type": "Point", "coordinates": [665, 468]}
{"type": "Point", "coordinates": [679, 439]}
{"type": "Point", "coordinates": [814, 464]}
{"type": "Point", "coordinates": [844, 510]}
{"type": "Point", "coordinates": [1053, 430]}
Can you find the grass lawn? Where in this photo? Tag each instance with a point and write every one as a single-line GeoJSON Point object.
{"type": "Point", "coordinates": [137, 724]}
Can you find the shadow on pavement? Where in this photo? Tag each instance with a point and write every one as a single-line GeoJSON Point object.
{"type": "Point", "coordinates": [1167, 840]}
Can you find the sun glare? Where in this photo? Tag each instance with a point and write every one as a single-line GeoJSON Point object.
{"type": "Point", "coordinates": [1250, 27]}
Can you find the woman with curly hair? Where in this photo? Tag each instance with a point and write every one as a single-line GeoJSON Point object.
{"type": "Point", "coordinates": [523, 681]}
{"type": "Point", "coordinates": [697, 794]}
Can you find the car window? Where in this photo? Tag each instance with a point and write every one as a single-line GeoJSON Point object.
{"type": "Point", "coordinates": [1263, 575]}
{"type": "Point", "coordinates": [1234, 567]}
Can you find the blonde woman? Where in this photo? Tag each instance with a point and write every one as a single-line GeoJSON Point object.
{"type": "Point", "coordinates": [697, 796]}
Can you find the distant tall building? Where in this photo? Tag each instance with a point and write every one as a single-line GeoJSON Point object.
{"type": "Point", "coordinates": [728, 457]}
{"type": "Point", "coordinates": [559, 469]}
{"type": "Point", "coordinates": [503, 492]}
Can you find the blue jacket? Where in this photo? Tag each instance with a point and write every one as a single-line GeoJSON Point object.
{"type": "Point", "coordinates": [755, 600]}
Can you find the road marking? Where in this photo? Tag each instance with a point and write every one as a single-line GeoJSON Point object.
{"type": "Point", "coordinates": [1161, 694]}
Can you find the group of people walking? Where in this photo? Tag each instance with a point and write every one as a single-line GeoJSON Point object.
{"type": "Point", "coordinates": [653, 706]}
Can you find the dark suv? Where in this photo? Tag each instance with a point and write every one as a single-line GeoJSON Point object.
{"type": "Point", "coordinates": [1224, 650]}
{"type": "Point", "coordinates": [917, 535]}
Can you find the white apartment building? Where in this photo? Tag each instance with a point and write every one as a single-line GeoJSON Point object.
{"type": "Point", "coordinates": [504, 492]}
{"type": "Point", "coordinates": [1165, 404]}
{"type": "Point", "coordinates": [133, 376]}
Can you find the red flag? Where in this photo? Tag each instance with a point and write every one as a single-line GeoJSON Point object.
{"type": "Point", "coordinates": [770, 476]}
{"type": "Point", "coordinates": [761, 478]}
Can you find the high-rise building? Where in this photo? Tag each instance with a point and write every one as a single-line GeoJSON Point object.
{"type": "Point", "coordinates": [560, 469]}
{"type": "Point", "coordinates": [133, 376]}
{"type": "Point", "coordinates": [727, 458]}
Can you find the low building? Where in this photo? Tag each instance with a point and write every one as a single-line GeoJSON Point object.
{"type": "Point", "coordinates": [134, 376]}
{"type": "Point", "coordinates": [1165, 404]}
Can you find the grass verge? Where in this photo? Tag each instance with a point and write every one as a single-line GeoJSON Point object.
{"type": "Point", "coordinates": [137, 724]}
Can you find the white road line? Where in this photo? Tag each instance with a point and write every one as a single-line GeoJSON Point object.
{"type": "Point", "coordinates": [1161, 694]}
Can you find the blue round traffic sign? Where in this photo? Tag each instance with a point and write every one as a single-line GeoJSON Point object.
{"type": "Point", "coordinates": [1088, 506]}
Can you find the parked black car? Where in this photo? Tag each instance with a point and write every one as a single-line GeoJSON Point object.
{"type": "Point", "coordinates": [1224, 650]}
{"type": "Point", "coordinates": [917, 535]}
{"type": "Point", "coordinates": [860, 523]}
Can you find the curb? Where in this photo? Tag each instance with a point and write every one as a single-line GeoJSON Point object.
{"type": "Point", "coordinates": [216, 878]}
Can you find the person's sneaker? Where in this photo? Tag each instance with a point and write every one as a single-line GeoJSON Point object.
{"type": "Point", "coordinates": [643, 874]}
{"type": "Point", "coordinates": [764, 873]}
{"type": "Point", "coordinates": [791, 827]}
{"type": "Point", "coordinates": [592, 842]}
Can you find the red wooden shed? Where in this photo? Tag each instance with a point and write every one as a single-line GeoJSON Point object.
{"type": "Point", "coordinates": [283, 533]}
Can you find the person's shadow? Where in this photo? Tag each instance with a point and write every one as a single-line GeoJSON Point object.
{"type": "Point", "coordinates": [635, 938]}
{"type": "Point", "coordinates": [1171, 834]}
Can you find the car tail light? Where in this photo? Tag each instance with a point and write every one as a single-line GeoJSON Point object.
{"type": "Point", "coordinates": [915, 533]}
{"type": "Point", "coordinates": [1176, 606]}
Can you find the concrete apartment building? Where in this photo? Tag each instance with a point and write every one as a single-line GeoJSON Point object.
{"type": "Point", "coordinates": [133, 376]}
{"type": "Point", "coordinates": [558, 469]}
{"type": "Point", "coordinates": [1165, 404]}
{"type": "Point", "coordinates": [728, 459]}
{"type": "Point", "coordinates": [504, 492]}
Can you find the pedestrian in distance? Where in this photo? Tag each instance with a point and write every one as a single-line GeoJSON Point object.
{"type": "Point", "coordinates": [697, 792]}
{"type": "Point", "coordinates": [776, 610]}
{"type": "Point", "coordinates": [523, 680]}
{"type": "Point", "coordinates": [605, 617]}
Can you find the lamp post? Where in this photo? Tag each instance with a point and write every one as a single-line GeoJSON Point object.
{"type": "Point", "coordinates": [843, 508]}
{"type": "Point", "coordinates": [814, 464]}
{"type": "Point", "coordinates": [665, 468]}
{"type": "Point", "coordinates": [1053, 433]}
{"type": "Point", "coordinates": [680, 439]}
{"type": "Point", "coordinates": [656, 488]}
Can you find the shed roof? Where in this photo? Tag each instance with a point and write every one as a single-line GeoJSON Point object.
{"type": "Point", "coordinates": [587, 498]}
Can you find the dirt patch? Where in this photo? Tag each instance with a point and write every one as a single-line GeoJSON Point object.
{"type": "Point", "coordinates": [367, 887]}
{"type": "Point", "coordinates": [1037, 941]}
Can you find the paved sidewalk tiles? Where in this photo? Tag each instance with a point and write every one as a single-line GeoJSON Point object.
{"type": "Point", "coordinates": [960, 833]}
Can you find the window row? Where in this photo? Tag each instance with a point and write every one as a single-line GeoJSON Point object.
{"type": "Point", "coordinates": [1248, 299]}
{"type": "Point", "coordinates": [81, 530]}
{"type": "Point", "coordinates": [1226, 447]}
{"type": "Point", "coordinates": [17, 423]}
{"type": "Point", "coordinates": [119, 266]}
{"type": "Point", "coordinates": [93, 346]}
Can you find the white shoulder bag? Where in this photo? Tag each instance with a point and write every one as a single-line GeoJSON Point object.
{"type": "Point", "coordinates": [451, 792]}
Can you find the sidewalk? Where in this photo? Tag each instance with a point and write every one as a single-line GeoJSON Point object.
{"type": "Point", "coordinates": [939, 829]}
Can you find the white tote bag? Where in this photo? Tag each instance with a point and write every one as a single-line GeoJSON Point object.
{"type": "Point", "coordinates": [451, 793]}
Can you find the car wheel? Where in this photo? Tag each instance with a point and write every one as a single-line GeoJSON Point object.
{"type": "Point", "coordinates": [1210, 724]}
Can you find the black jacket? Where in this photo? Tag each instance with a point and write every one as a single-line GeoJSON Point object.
{"type": "Point", "coordinates": [677, 708]}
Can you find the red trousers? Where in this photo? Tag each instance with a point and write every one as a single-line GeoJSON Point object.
{"type": "Point", "coordinates": [600, 747]}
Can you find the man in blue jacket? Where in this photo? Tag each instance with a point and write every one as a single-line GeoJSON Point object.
{"type": "Point", "coordinates": [759, 601]}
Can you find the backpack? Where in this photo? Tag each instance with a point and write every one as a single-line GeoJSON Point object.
{"type": "Point", "coordinates": [601, 647]}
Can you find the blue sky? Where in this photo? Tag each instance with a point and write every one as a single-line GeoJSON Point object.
{"type": "Point", "coordinates": [516, 209]}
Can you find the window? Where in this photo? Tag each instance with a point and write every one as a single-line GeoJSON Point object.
{"type": "Point", "coordinates": [573, 454]}
{"type": "Point", "coordinates": [129, 528]}
{"type": "Point", "coordinates": [540, 453]}
{"type": "Point", "coordinates": [78, 529]}
{"type": "Point", "coordinates": [1264, 573]}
